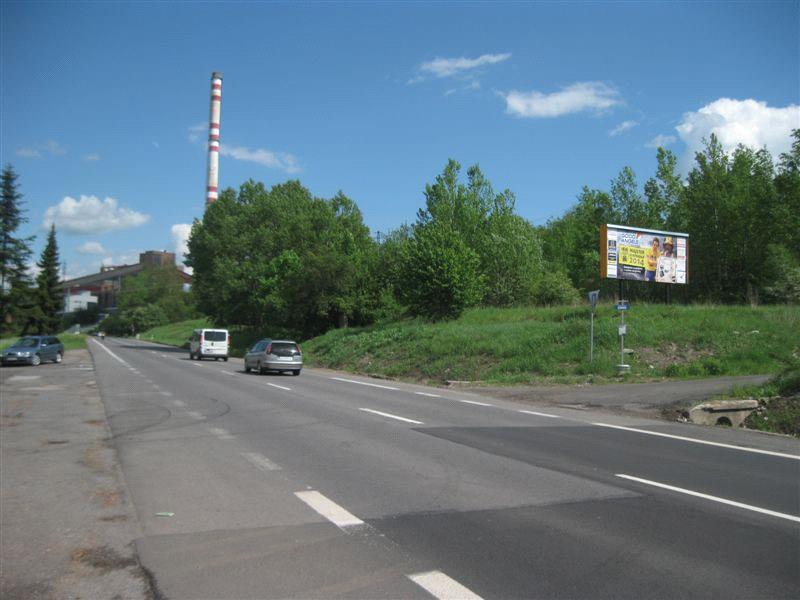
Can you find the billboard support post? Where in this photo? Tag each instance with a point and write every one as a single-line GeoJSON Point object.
{"type": "Point", "coordinates": [622, 307]}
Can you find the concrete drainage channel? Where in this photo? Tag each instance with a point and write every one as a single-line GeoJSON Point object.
{"type": "Point", "coordinates": [729, 413]}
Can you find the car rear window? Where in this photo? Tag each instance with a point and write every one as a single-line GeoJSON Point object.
{"type": "Point", "coordinates": [284, 348]}
{"type": "Point", "coordinates": [215, 336]}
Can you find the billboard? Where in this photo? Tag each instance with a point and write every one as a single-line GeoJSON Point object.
{"type": "Point", "coordinates": [644, 254]}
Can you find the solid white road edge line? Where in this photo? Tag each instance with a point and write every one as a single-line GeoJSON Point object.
{"type": "Point", "coordinates": [765, 511]}
{"type": "Point", "coordinates": [387, 415]}
{"type": "Point", "coordinates": [696, 441]}
{"type": "Point", "coordinates": [475, 402]}
{"type": "Point", "coordinates": [427, 394]}
{"type": "Point", "coordinates": [329, 509]}
{"type": "Point", "coordinates": [383, 387]}
{"type": "Point", "coordinates": [260, 462]}
{"type": "Point", "coordinates": [539, 414]}
{"type": "Point", "coordinates": [443, 587]}
{"type": "Point", "coordinates": [280, 387]}
{"type": "Point", "coordinates": [110, 352]}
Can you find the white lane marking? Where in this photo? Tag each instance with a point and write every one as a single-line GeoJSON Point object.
{"type": "Point", "coordinates": [329, 509]}
{"type": "Point", "coordinates": [443, 587]}
{"type": "Point", "coordinates": [383, 387]}
{"type": "Point", "coordinates": [383, 414]}
{"type": "Point", "coordinates": [222, 434]}
{"type": "Point", "coordinates": [260, 462]}
{"type": "Point", "coordinates": [428, 395]}
{"type": "Point", "coordinates": [713, 498]}
{"type": "Point", "coordinates": [110, 352]}
{"type": "Point", "coordinates": [229, 373]}
{"type": "Point", "coordinates": [179, 403]}
{"type": "Point", "coordinates": [23, 378]}
{"type": "Point", "coordinates": [280, 387]}
{"type": "Point", "coordinates": [194, 414]}
{"type": "Point", "coordinates": [167, 394]}
{"type": "Point", "coordinates": [539, 414]}
{"type": "Point", "coordinates": [475, 402]}
{"type": "Point", "coordinates": [194, 364]}
{"type": "Point", "coordinates": [696, 441]}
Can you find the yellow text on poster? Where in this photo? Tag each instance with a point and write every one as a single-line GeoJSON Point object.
{"type": "Point", "coordinates": [630, 255]}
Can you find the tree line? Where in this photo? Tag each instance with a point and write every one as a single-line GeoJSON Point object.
{"type": "Point", "coordinates": [27, 304]}
{"type": "Point", "coordinates": [283, 259]}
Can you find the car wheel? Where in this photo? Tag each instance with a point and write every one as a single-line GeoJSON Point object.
{"type": "Point", "coordinates": [246, 368]}
{"type": "Point", "coordinates": [296, 372]}
{"type": "Point", "coordinates": [36, 360]}
{"type": "Point", "coordinates": [261, 370]}
{"type": "Point", "coordinates": [58, 357]}
{"type": "Point", "coordinates": [225, 359]}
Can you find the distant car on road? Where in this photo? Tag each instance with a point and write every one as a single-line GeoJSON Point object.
{"type": "Point", "coordinates": [274, 355]}
{"type": "Point", "coordinates": [209, 343]}
{"type": "Point", "coordinates": [33, 349]}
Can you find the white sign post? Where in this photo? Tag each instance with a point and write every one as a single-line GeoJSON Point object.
{"type": "Point", "coordinates": [593, 296]}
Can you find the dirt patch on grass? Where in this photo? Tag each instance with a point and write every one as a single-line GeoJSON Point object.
{"type": "Point", "coordinates": [103, 558]}
{"type": "Point", "coordinates": [670, 354]}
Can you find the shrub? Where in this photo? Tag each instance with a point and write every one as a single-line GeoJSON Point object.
{"type": "Point", "coordinates": [554, 288]}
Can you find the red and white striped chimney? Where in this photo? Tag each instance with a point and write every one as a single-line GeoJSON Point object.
{"type": "Point", "coordinates": [212, 181]}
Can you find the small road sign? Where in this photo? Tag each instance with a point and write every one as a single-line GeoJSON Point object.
{"type": "Point", "coordinates": [624, 305]}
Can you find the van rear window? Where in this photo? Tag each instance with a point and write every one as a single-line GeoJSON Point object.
{"type": "Point", "coordinates": [215, 336]}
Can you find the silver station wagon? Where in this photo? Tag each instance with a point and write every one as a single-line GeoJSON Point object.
{"type": "Point", "coordinates": [274, 355]}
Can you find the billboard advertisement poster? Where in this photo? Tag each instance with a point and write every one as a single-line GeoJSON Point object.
{"type": "Point", "coordinates": [644, 254]}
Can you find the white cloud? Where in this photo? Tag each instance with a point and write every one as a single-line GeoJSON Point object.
{"type": "Point", "coordinates": [622, 128]}
{"type": "Point", "coordinates": [594, 96]}
{"type": "Point", "coordinates": [92, 215]}
{"type": "Point", "coordinates": [195, 131]}
{"type": "Point", "coordinates": [53, 147]}
{"type": "Point", "coordinates": [91, 248]}
{"type": "Point", "coordinates": [28, 153]}
{"type": "Point", "coordinates": [448, 67]}
{"type": "Point", "coordinates": [661, 141]}
{"type": "Point", "coordinates": [128, 258]}
{"type": "Point", "coordinates": [91, 157]}
{"type": "Point", "coordinates": [748, 122]}
{"type": "Point", "coordinates": [180, 238]}
{"type": "Point", "coordinates": [273, 160]}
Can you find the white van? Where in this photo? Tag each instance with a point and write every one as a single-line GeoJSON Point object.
{"type": "Point", "coordinates": [209, 343]}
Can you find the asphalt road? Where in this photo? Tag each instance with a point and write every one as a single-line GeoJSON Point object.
{"type": "Point", "coordinates": [329, 485]}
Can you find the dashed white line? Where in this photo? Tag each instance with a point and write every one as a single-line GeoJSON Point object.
{"type": "Point", "coordinates": [179, 403]}
{"type": "Point", "coordinates": [329, 509]}
{"type": "Point", "coordinates": [765, 511]}
{"type": "Point", "coordinates": [696, 441]}
{"type": "Point", "coordinates": [539, 414]}
{"type": "Point", "coordinates": [222, 434]}
{"type": "Point", "coordinates": [280, 387]}
{"type": "Point", "coordinates": [443, 587]}
{"type": "Point", "coordinates": [375, 385]}
{"type": "Point", "coordinates": [229, 373]}
{"type": "Point", "coordinates": [194, 364]}
{"type": "Point", "coordinates": [165, 393]}
{"type": "Point", "coordinates": [475, 402]}
{"type": "Point", "coordinates": [194, 415]}
{"type": "Point", "coordinates": [260, 462]}
{"type": "Point", "coordinates": [390, 416]}
{"type": "Point", "coordinates": [110, 352]}
{"type": "Point", "coordinates": [428, 395]}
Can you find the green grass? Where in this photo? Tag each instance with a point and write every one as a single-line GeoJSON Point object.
{"type": "Point", "coordinates": [71, 341]}
{"type": "Point", "coordinates": [534, 345]}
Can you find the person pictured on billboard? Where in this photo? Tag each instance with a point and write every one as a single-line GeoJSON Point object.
{"type": "Point", "coordinates": [666, 270]}
{"type": "Point", "coordinates": [651, 257]}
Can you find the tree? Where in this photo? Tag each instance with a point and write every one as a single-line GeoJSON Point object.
{"type": "Point", "coordinates": [49, 298]}
{"type": "Point", "coordinates": [156, 286]}
{"type": "Point", "coordinates": [15, 252]}
{"type": "Point", "coordinates": [281, 259]}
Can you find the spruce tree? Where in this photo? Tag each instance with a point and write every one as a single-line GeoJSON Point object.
{"type": "Point", "coordinates": [14, 254]}
{"type": "Point", "coordinates": [50, 297]}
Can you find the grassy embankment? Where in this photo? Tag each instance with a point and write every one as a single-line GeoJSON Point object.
{"type": "Point", "coordinates": [535, 345]}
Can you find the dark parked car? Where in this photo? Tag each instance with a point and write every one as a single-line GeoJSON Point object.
{"type": "Point", "coordinates": [274, 355]}
{"type": "Point", "coordinates": [33, 349]}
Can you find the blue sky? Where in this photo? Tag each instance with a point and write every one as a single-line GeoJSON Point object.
{"type": "Point", "coordinates": [110, 100]}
